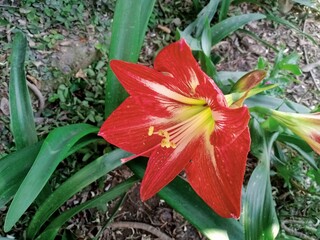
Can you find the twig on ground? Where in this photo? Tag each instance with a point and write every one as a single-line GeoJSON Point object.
{"type": "Point", "coordinates": [309, 67]}
{"type": "Point", "coordinates": [38, 94]}
{"type": "Point", "coordinates": [142, 226]}
{"type": "Point", "coordinates": [307, 59]}
{"type": "Point", "coordinates": [295, 232]}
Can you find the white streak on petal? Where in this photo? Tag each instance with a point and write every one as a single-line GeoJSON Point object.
{"type": "Point", "coordinates": [194, 82]}
{"type": "Point", "coordinates": [161, 89]}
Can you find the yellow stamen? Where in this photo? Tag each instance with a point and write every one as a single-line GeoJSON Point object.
{"type": "Point", "coordinates": [173, 145]}
{"type": "Point", "coordinates": [183, 132]}
{"type": "Point", "coordinates": [161, 133]}
{"type": "Point", "coordinates": [163, 142]}
{"type": "Point", "coordinates": [150, 132]}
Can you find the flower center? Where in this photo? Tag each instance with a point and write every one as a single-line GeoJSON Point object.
{"type": "Point", "coordinates": [192, 122]}
{"type": "Point", "coordinates": [187, 129]}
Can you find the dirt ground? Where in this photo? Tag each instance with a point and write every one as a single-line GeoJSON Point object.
{"type": "Point", "coordinates": [240, 53]}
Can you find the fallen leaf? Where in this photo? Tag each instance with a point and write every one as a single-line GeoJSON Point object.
{"type": "Point", "coordinates": [164, 28]}
{"type": "Point", "coordinates": [81, 74]}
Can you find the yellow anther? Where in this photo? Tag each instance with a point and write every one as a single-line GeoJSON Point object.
{"type": "Point", "coordinates": [173, 145]}
{"type": "Point", "coordinates": [163, 142]}
{"type": "Point", "coordinates": [150, 131]}
{"type": "Point", "coordinates": [166, 135]}
{"type": "Point", "coordinates": [161, 133]}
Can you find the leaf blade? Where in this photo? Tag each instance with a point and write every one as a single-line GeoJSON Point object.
{"type": "Point", "coordinates": [13, 169]}
{"type": "Point", "coordinates": [54, 149]}
{"type": "Point", "coordinates": [128, 29]}
{"type": "Point", "coordinates": [21, 115]}
{"type": "Point", "coordinates": [259, 214]}
{"type": "Point", "coordinates": [53, 228]}
{"type": "Point", "coordinates": [74, 184]}
{"type": "Point", "coordinates": [229, 25]}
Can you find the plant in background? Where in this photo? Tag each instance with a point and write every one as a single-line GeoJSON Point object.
{"type": "Point", "coordinates": [283, 72]}
{"type": "Point", "coordinates": [180, 115]}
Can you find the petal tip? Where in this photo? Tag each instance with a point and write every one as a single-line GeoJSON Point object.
{"type": "Point", "coordinates": [145, 193]}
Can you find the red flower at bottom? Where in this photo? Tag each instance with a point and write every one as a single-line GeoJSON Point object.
{"type": "Point", "coordinates": [179, 118]}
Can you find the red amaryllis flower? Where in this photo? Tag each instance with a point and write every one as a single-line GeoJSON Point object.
{"type": "Point", "coordinates": [179, 118]}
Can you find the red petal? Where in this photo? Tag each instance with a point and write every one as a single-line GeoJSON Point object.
{"type": "Point", "coordinates": [127, 128]}
{"type": "Point", "coordinates": [163, 166]}
{"type": "Point", "coordinates": [216, 174]}
{"type": "Point", "coordinates": [139, 80]}
{"type": "Point", "coordinates": [133, 77]}
{"type": "Point", "coordinates": [229, 124]}
{"type": "Point", "coordinates": [180, 76]}
{"type": "Point", "coordinates": [177, 60]}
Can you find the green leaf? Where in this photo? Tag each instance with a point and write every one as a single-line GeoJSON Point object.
{"type": "Point", "coordinates": [197, 26]}
{"type": "Point", "coordinates": [4, 22]}
{"type": "Point", "coordinates": [206, 14]}
{"type": "Point", "coordinates": [51, 231]}
{"type": "Point", "coordinates": [224, 8]}
{"type": "Point", "coordinates": [300, 146]}
{"type": "Point", "coordinates": [259, 215]}
{"type": "Point", "coordinates": [292, 58]}
{"type": "Point", "coordinates": [54, 149]}
{"type": "Point", "coordinates": [88, 174]}
{"type": "Point", "coordinates": [229, 25]}
{"type": "Point", "coordinates": [193, 43]}
{"type": "Point", "coordinates": [13, 169]}
{"type": "Point", "coordinates": [293, 139]}
{"type": "Point", "coordinates": [180, 196]}
{"type": "Point", "coordinates": [256, 37]}
{"type": "Point", "coordinates": [226, 76]}
{"type": "Point", "coordinates": [290, 25]}
{"type": "Point", "coordinates": [307, 156]}
{"type": "Point", "coordinates": [209, 68]}
{"type": "Point", "coordinates": [292, 68]}
{"type": "Point", "coordinates": [21, 115]}
{"type": "Point", "coordinates": [129, 25]}
{"type": "Point", "coordinates": [275, 103]}
{"type": "Point", "coordinates": [206, 39]}
{"type": "Point", "coordinates": [308, 3]}
{"type": "Point", "coordinates": [15, 166]}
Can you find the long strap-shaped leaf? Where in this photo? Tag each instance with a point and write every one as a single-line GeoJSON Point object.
{"type": "Point", "coordinates": [259, 215]}
{"type": "Point", "coordinates": [21, 117]}
{"type": "Point", "coordinates": [51, 231]}
{"type": "Point", "coordinates": [229, 25]}
{"type": "Point", "coordinates": [54, 149]}
{"type": "Point", "coordinates": [224, 9]}
{"type": "Point", "coordinates": [291, 25]}
{"type": "Point", "coordinates": [275, 103]}
{"type": "Point", "coordinates": [88, 174]}
{"type": "Point", "coordinates": [128, 29]}
{"type": "Point", "coordinates": [180, 196]}
{"type": "Point", "coordinates": [15, 166]}
{"type": "Point", "coordinates": [13, 169]}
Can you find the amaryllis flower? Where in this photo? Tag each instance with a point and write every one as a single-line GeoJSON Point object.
{"type": "Point", "coordinates": [178, 117]}
{"type": "Point", "coordinates": [307, 126]}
